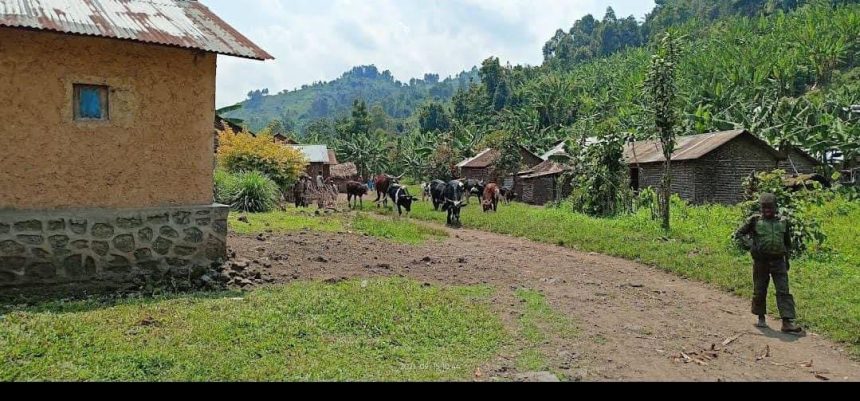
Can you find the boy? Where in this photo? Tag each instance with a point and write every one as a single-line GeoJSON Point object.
{"type": "Point", "coordinates": [768, 236]}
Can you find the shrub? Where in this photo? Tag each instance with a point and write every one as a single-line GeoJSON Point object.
{"type": "Point", "coordinates": [252, 192]}
{"type": "Point", "coordinates": [239, 152]}
{"type": "Point", "coordinates": [794, 206]}
{"type": "Point", "coordinates": [224, 184]}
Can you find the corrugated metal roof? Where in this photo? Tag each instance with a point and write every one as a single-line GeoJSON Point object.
{"type": "Point", "coordinates": [687, 147]}
{"type": "Point", "coordinates": [544, 169]}
{"type": "Point", "coordinates": [481, 160]}
{"type": "Point", "coordinates": [314, 153]}
{"type": "Point", "coordinates": [182, 23]}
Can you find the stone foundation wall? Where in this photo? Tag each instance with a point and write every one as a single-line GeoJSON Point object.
{"type": "Point", "coordinates": [43, 248]}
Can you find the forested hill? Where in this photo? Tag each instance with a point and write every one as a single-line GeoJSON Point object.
{"type": "Point", "coordinates": [334, 99]}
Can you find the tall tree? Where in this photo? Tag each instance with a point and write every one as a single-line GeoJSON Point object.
{"type": "Point", "coordinates": [661, 92]}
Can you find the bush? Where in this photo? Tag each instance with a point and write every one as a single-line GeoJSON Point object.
{"type": "Point", "coordinates": [239, 152]}
{"type": "Point", "coordinates": [796, 207]}
{"type": "Point", "coordinates": [224, 184]}
{"type": "Point", "coordinates": [251, 192]}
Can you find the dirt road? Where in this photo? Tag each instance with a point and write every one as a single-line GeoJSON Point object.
{"type": "Point", "coordinates": [635, 322]}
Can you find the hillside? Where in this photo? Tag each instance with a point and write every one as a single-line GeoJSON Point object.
{"type": "Point", "coordinates": [334, 99]}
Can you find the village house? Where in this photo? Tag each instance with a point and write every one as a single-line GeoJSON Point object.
{"type": "Point", "coordinates": [544, 183]}
{"type": "Point", "coordinates": [482, 167]}
{"type": "Point", "coordinates": [711, 168]}
{"type": "Point", "coordinates": [320, 159]}
{"type": "Point", "coordinates": [343, 173]}
{"type": "Point", "coordinates": [108, 110]}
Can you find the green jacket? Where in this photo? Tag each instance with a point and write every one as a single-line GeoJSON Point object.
{"type": "Point", "coordinates": [759, 234]}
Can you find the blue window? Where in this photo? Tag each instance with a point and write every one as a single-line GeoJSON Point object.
{"type": "Point", "coordinates": [91, 102]}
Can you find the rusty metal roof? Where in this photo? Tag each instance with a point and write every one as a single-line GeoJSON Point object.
{"type": "Point", "coordinates": [544, 169]}
{"type": "Point", "coordinates": [687, 148]}
{"type": "Point", "coordinates": [182, 23]}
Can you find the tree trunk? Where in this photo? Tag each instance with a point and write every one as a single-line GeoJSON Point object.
{"type": "Point", "coordinates": [666, 195]}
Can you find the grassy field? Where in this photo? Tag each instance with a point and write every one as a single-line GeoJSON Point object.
{"type": "Point", "coordinates": [826, 284]}
{"type": "Point", "coordinates": [391, 228]}
{"type": "Point", "coordinates": [372, 330]}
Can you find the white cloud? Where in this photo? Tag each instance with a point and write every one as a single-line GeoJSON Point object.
{"type": "Point", "coordinates": [315, 40]}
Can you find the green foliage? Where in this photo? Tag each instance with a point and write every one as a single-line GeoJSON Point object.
{"type": "Point", "coordinates": [661, 97]}
{"type": "Point", "coordinates": [797, 207]}
{"type": "Point", "coordinates": [600, 177]}
{"type": "Point", "coordinates": [241, 152]}
{"type": "Point", "coordinates": [251, 192]}
{"type": "Point", "coordinates": [224, 184]}
{"type": "Point", "coordinates": [299, 109]}
{"type": "Point", "coordinates": [434, 117]}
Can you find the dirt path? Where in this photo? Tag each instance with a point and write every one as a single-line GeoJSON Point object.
{"type": "Point", "coordinates": [634, 321]}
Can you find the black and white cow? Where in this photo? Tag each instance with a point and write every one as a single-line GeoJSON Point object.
{"type": "Point", "coordinates": [437, 194]}
{"type": "Point", "coordinates": [401, 198]}
{"type": "Point", "coordinates": [453, 201]}
{"type": "Point", "coordinates": [473, 187]}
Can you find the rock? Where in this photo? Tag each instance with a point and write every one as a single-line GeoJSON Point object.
{"type": "Point", "coordinates": [239, 265]}
{"type": "Point", "coordinates": [384, 266]}
{"type": "Point", "coordinates": [261, 237]}
{"type": "Point", "coordinates": [243, 218]}
{"type": "Point", "coordinates": [320, 259]}
{"type": "Point", "coordinates": [462, 260]}
{"type": "Point", "coordinates": [538, 377]}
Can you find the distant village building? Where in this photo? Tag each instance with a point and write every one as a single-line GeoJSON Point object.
{"type": "Point", "coordinates": [343, 173]}
{"type": "Point", "coordinates": [544, 183]}
{"type": "Point", "coordinates": [711, 168]}
{"type": "Point", "coordinates": [320, 159]}
{"type": "Point", "coordinates": [108, 110]}
{"type": "Point", "coordinates": [482, 167]}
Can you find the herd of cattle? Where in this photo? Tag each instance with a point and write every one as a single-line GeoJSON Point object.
{"type": "Point", "coordinates": [449, 197]}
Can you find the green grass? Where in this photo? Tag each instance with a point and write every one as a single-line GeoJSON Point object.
{"type": "Point", "coordinates": [395, 229]}
{"type": "Point", "coordinates": [537, 322]}
{"type": "Point", "coordinates": [826, 284]}
{"type": "Point", "coordinates": [376, 330]}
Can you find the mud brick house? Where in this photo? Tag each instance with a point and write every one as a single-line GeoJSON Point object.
{"type": "Point", "coordinates": [107, 158]}
{"type": "Point", "coordinates": [320, 159]}
{"type": "Point", "coordinates": [483, 166]}
{"type": "Point", "coordinates": [711, 168]}
{"type": "Point", "coordinates": [544, 183]}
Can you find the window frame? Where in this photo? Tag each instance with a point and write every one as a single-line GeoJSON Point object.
{"type": "Point", "coordinates": [104, 98]}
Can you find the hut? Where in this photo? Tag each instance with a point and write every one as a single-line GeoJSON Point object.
{"type": "Point", "coordinates": [482, 167]}
{"type": "Point", "coordinates": [711, 168]}
{"type": "Point", "coordinates": [544, 183]}
{"type": "Point", "coordinates": [343, 173]}
{"type": "Point", "coordinates": [320, 159]}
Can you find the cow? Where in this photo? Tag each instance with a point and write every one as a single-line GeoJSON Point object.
{"type": "Point", "coordinates": [437, 194]}
{"type": "Point", "coordinates": [426, 191]}
{"type": "Point", "coordinates": [382, 182]}
{"type": "Point", "coordinates": [473, 187]}
{"type": "Point", "coordinates": [300, 192]}
{"type": "Point", "coordinates": [492, 195]}
{"type": "Point", "coordinates": [508, 195]}
{"type": "Point", "coordinates": [400, 197]}
{"type": "Point", "coordinates": [453, 195]}
{"type": "Point", "coordinates": [356, 190]}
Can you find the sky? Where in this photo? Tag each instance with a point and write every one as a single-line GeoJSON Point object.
{"type": "Point", "coordinates": [318, 40]}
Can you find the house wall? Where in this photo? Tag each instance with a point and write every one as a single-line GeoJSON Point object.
{"type": "Point", "coordinates": [715, 178]}
{"type": "Point", "coordinates": [94, 248]}
{"type": "Point", "coordinates": [543, 190]}
{"type": "Point", "coordinates": [799, 162]}
{"type": "Point", "coordinates": [156, 150]}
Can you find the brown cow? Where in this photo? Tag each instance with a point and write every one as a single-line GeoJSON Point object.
{"type": "Point", "coordinates": [356, 190]}
{"type": "Point", "coordinates": [382, 182]}
{"type": "Point", "coordinates": [492, 196]}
